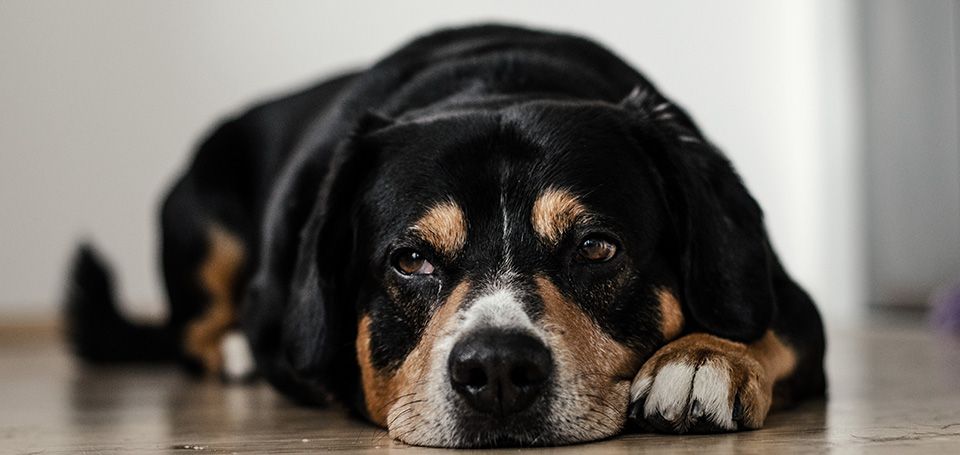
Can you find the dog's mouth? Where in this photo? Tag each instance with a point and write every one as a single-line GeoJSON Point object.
{"type": "Point", "coordinates": [522, 430]}
{"type": "Point", "coordinates": [495, 403]}
{"type": "Point", "coordinates": [551, 421]}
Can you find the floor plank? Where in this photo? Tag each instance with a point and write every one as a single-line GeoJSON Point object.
{"type": "Point", "coordinates": [894, 388]}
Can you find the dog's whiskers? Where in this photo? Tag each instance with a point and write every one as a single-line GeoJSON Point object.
{"type": "Point", "coordinates": [387, 404]}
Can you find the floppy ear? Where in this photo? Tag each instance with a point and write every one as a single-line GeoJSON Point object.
{"type": "Point", "coordinates": [725, 254]}
{"type": "Point", "coordinates": [299, 324]}
{"type": "Point", "coordinates": [316, 326]}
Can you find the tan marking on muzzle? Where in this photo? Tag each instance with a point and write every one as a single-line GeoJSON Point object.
{"type": "Point", "coordinates": [671, 316]}
{"type": "Point", "coordinates": [554, 212]}
{"type": "Point", "coordinates": [384, 390]}
{"type": "Point", "coordinates": [444, 226]}
{"type": "Point", "coordinates": [217, 276]}
{"type": "Point", "coordinates": [602, 361]}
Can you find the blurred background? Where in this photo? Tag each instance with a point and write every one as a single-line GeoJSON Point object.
{"type": "Point", "coordinates": [842, 117]}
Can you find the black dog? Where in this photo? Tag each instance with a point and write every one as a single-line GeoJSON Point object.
{"type": "Point", "coordinates": [492, 236]}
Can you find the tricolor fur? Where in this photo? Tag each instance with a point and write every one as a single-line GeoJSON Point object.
{"type": "Point", "coordinates": [493, 236]}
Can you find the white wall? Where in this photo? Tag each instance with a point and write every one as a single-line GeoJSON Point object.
{"type": "Point", "coordinates": [101, 102]}
{"type": "Point", "coordinates": [912, 96]}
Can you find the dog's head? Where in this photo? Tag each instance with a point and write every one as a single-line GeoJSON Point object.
{"type": "Point", "coordinates": [499, 273]}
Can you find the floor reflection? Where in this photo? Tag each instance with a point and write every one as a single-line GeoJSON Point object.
{"type": "Point", "coordinates": [892, 386]}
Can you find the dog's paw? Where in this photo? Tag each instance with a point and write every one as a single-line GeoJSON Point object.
{"type": "Point", "coordinates": [238, 364]}
{"type": "Point", "coordinates": [700, 384]}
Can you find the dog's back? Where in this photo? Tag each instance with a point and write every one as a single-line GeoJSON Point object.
{"type": "Point", "coordinates": [279, 150]}
{"type": "Point", "coordinates": [482, 197]}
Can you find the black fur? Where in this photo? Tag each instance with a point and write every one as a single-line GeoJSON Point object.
{"type": "Point", "coordinates": [97, 330]}
{"type": "Point", "coordinates": [321, 185]}
{"type": "Point", "coordinates": [725, 255]}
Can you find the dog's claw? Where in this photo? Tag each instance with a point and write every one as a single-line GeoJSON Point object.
{"type": "Point", "coordinates": [660, 424]}
{"type": "Point", "coordinates": [696, 409]}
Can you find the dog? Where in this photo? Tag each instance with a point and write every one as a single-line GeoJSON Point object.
{"type": "Point", "coordinates": [493, 236]}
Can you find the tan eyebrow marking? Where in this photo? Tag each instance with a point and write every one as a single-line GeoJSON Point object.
{"type": "Point", "coordinates": [554, 212]}
{"type": "Point", "coordinates": [444, 226]}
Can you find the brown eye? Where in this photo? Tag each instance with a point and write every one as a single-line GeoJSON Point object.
{"type": "Point", "coordinates": [411, 262]}
{"type": "Point", "coordinates": [596, 249]}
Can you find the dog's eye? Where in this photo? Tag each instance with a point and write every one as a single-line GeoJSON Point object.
{"type": "Point", "coordinates": [596, 249]}
{"type": "Point", "coordinates": [411, 262]}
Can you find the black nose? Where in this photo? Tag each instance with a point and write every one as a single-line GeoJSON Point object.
{"type": "Point", "coordinates": [499, 373]}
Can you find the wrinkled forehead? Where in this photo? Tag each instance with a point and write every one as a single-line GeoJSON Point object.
{"type": "Point", "coordinates": [509, 178]}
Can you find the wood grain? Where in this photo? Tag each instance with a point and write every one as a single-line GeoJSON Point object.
{"type": "Point", "coordinates": [894, 388]}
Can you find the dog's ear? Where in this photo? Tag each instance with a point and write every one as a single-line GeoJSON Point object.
{"type": "Point", "coordinates": [298, 325]}
{"type": "Point", "coordinates": [725, 257]}
{"type": "Point", "coordinates": [316, 323]}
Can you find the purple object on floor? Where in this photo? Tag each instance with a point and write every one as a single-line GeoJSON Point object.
{"type": "Point", "coordinates": [946, 308]}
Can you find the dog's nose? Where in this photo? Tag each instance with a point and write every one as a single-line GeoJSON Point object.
{"type": "Point", "coordinates": [499, 373]}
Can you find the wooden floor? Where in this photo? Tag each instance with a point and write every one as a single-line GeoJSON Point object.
{"type": "Point", "coordinates": [894, 388]}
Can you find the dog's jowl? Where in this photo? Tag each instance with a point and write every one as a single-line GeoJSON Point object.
{"type": "Point", "coordinates": [493, 236]}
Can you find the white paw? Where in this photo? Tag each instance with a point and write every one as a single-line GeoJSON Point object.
{"type": "Point", "coordinates": [238, 362]}
{"type": "Point", "coordinates": [700, 385]}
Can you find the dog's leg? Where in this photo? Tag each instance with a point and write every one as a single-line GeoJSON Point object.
{"type": "Point", "coordinates": [205, 265]}
{"type": "Point", "coordinates": [703, 383]}
{"type": "Point", "coordinates": [205, 337]}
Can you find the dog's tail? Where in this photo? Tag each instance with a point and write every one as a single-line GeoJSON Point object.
{"type": "Point", "coordinates": [97, 331]}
